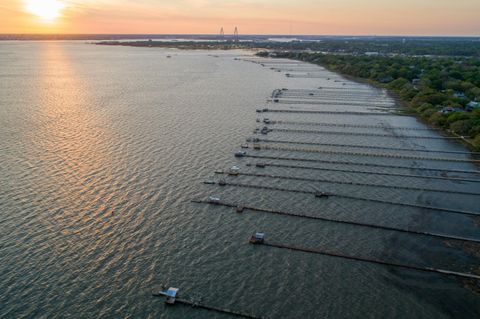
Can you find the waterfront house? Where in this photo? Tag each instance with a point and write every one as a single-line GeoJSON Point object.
{"type": "Point", "coordinates": [472, 105]}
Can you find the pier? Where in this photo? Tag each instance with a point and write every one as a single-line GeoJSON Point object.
{"type": "Point", "coordinates": [172, 299]}
{"type": "Point", "coordinates": [333, 112]}
{"type": "Point", "coordinates": [264, 165]}
{"type": "Point", "coordinates": [337, 221]}
{"type": "Point", "coordinates": [425, 207]}
{"type": "Point", "coordinates": [307, 179]}
{"type": "Point", "coordinates": [403, 149]}
{"type": "Point", "coordinates": [386, 155]}
{"type": "Point", "coordinates": [427, 169]}
{"type": "Point", "coordinates": [354, 125]}
{"type": "Point", "coordinates": [372, 260]}
{"type": "Point", "coordinates": [363, 134]}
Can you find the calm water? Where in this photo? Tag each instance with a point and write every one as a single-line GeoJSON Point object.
{"type": "Point", "coordinates": [102, 149]}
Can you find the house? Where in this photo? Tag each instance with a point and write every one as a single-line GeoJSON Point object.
{"type": "Point", "coordinates": [460, 95]}
{"type": "Point", "coordinates": [449, 109]}
{"type": "Point", "coordinates": [472, 105]}
{"type": "Point", "coordinates": [415, 82]}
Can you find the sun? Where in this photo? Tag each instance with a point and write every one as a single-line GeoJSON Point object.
{"type": "Point", "coordinates": [47, 10]}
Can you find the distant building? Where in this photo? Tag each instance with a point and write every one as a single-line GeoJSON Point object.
{"type": "Point", "coordinates": [415, 81]}
{"type": "Point", "coordinates": [460, 95]}
{"type": "Point", "coordinates": [472, 105]}
{"type": "Point", "coordinates": [449, 109]}
{"type": "Point", "coordinates": [372, 53]}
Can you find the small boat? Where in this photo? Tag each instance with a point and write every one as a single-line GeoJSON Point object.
{"type": "Point", "coordinates": [222, 182]}
{"type": "Point", "coordinates": [261, 165]}
{"type": "Point", "coordinates": [209, 182]}
{"type": "Point", "coordinates": [257, 147]}
{"type": "Point", "coordinates": [235, 170]}
{"type": "Point", "coordinates": [219, 172]}
{"type": "Point", "coordinates": [214, 200]}
{"type": "Point", "coordinates": [322, 194]}
{"type": "Point", "coordinates": [257, 238]}
{"type": "Point", "coordinates": [244, 146]}
{"type": "Point", "coordinates": [240, 154]}
{"type": "Point", "coordinates": [240, 209]}
{"type": "Point", "coordinates": [267, 121]}
{"type": "Point", "coordinates": [264, 110]}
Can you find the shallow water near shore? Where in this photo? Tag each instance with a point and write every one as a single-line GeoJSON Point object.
{"type": "Point", "coordinates": [103, 148]}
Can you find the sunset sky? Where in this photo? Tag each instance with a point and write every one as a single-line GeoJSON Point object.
{"type": "Point", "coordinates": [333, 17]}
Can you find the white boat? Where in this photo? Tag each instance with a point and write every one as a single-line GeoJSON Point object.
{"type": "Point", "coordinates": [214, 199]}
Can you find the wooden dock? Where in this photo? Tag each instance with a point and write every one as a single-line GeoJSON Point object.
{"type": "Point", "coordinates": [362, 134]}
{"type": "Point", "coordinates": [217, 309]}
{"type": "Point", "coordinates": [373, 261]}
{"type": "Point", "coordinates": [330, 181]}
{"type": "Point", "coordinates": [338, 221]}
{"type": "Point", "coordinates": [343, 125]}
{"type": "Point", "coordinates": [351, 153]}
{"type": "Point", "coordinates": [424, 207]}
{"type": "Point", "coordinates": [312, 160]}
{"type": "Point", "coordinates": [401, 149]}
{"type": "Point", "coordinates": [334, 112]}
{"type": "Point", "coordinates": [315, 168]}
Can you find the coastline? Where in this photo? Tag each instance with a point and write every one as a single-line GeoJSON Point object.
{"type": "Point", "coordinates": [405, 105]}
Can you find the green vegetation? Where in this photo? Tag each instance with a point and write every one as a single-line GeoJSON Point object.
{"type": "Point", "coordinates": [391, 46]}
{"type": "Point", "coordinates": [442, 91]}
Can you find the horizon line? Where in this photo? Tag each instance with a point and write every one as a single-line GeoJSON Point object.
{"type": "Point", "coordinates": [245, 34]}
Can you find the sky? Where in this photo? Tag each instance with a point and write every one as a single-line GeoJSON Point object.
{"type": "Point", "coordinates": [289, 17]}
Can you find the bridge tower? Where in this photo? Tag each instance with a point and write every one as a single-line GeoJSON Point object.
{"type": "Point", "coordinates": [222, 34]}
{"type": "Point", "coordinates": [235, 35]}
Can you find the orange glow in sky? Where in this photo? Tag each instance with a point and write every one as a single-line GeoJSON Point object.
{"type": "Point", "coordinates": [351, 17]}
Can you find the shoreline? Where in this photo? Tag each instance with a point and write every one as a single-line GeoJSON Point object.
{"type": "Point", "coordinates": [404, 105]}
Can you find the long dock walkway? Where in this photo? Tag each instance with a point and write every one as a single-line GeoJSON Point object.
{"type": "Point", "coordinates": [344, 125]}
{"type": "Point", "coordinates": [402, 149]}
{"type": "Point", "coordinates": [372, 260]}
{"type": "Point", "coordinates": [385, 155]}
{"type": "Point", "coordinates": [379, 105]}
{"type": "Point", "coordinates": [324, 180]}
{"type": "Point", "coordinates": [381, 201]}
{"type": "Point", "coordinates": [333, 112]}
{"type": "Point", "coordinates": [454, 179]}
{"type": "Point", "coordinates": [217, 309]}
{"type": "Point", "coordinates": [363, 134]}
{"type": "Point", "coordinates": [337, 221]}
{"type": "Point", "coordinates": [312, 160]}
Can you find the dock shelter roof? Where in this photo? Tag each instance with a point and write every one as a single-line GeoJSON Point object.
{"type": "Point", "coordinates": [171, 292]}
